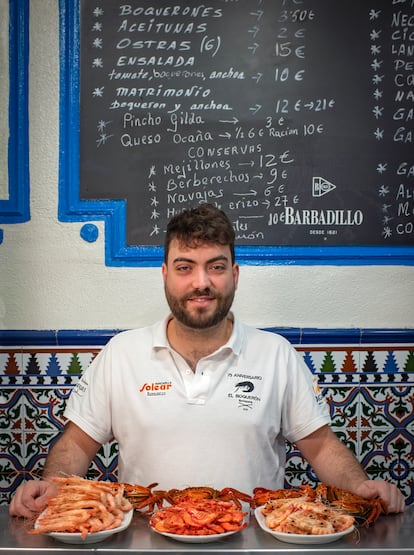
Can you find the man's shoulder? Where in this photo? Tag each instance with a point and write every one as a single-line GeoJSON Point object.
{"type": "Point", "coordinates": [264, 335]}
{"type": "Point", "coordinates": [134, 335]}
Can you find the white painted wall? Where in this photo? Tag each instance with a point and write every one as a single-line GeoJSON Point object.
{"type": "Point", "coordinates": [51, 279]}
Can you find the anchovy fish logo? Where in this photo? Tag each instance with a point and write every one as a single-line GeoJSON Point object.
{"type": "Point", "coordinates": [246, 387]}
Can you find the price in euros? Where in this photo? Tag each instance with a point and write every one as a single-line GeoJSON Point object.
{"type": "Point", "coordinates": [283, 74]}
{"type": "Point", "coordinates": [318, 105]}
{"type": "Point", "coordinates": [280, 202]}
{"type": "Point", "coordinates": [283, 106]}
{"type": "Point", "coordinates": [296, 16]}
{"type": "Point", "coordinates": [285, 49]}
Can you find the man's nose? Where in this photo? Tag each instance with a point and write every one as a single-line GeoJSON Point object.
{"type": "Point", "coordinates": [201, 279]}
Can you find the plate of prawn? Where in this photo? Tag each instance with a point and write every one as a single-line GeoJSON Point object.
{"type": "Point", "coordinates": [295, 521]}
{"type": "Point", "coordinates": [199, 521]}
{"type": "Point", "coordinates": [84, 511]}
{"type": "Point", "coordinates": [92, 537]}
{"type": "Point", "coordinates": [189, 538]}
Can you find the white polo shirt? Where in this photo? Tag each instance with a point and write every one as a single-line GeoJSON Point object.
{"type": "Point", "coordinates": [222, 426]}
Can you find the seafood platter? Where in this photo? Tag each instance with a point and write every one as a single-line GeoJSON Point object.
{"type": "Point", "coordinates": [87, 511]}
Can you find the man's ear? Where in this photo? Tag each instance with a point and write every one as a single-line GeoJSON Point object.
{"type": "Point", "coordinates": [164, 271]}
{"type": "Point", "coordinates": [236, 273]}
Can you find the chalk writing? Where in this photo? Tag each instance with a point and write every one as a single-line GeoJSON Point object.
{"type": "Point", "coordinates": [295, 117]}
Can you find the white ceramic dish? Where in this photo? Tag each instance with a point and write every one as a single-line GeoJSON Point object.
{"type": "Point", "coordinates": [76, 538]}
{"type": "Point", "coordinates": [304, 539]}
{"type": "Point", "coordinates": [196, 539]}
{"type": "Point", "coordinates": [185, 538]}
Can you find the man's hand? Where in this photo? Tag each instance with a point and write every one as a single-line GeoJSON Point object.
{"type": "Point", "coordinates": [31, 498]}
{"type": "Point", "coordinates": [389, 493]}
{"type": "Point", "coordinates": [70, 455]}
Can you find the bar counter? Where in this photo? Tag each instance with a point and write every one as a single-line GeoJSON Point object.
{"type": "Point", "coordinates": [390, 534]}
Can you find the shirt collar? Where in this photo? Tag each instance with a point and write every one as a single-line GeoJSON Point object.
{"type": "Point", "coordinates": [234, 343]}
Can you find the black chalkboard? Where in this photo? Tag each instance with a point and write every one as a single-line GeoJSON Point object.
{"type": "Point", "coordinates": [294, 116]}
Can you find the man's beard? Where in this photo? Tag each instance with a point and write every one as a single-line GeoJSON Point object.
{"type": "Point", "coordinates": [200, 320]}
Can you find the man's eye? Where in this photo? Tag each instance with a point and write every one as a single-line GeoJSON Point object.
{"type": "Point", "coordinates": [218, 268]}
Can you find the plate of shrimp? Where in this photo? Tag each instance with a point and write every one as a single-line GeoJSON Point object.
{"type": "Point", "coordinates": [301, 522]}
{"type": "Point", "coordinates": [91, 537]}
{"type": "Point", "coordinates": [199, 520]}
{"type": "Point", "coordinates": [84, 511]}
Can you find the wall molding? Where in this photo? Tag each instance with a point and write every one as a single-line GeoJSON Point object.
{"type": "Point", "coordinates": [297, 336]}
{"type": "Point", "coordinates": [16, 209]}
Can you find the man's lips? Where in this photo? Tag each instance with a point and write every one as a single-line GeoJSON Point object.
{"type": "Point", "coordinates": [201, 299]}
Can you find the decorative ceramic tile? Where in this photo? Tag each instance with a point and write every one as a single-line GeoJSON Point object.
{"type": "Point", "coordinates": [387, 360]}
{"type": "Point", "coordinates": [323, 361]}
{"type": "Point", "coordinates": [369, 389]}
{"type": "Point", "coordinates": [105, 464]}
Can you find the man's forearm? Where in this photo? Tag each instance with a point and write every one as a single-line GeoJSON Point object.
{"type": "Point", "coordinates": [331, 460]}
{"type": "Point", "coordinates": [71, 454]}
{"type": "Point", "coordinates": [63, 460]}
{"type": "Point", "coordinates": [338, 466]}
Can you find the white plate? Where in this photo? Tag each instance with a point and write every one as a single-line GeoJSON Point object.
{"type": "Point", "coordinates": [196, 539]}
{"type": "Point", "coordinates": [207, 538]}
{"type": "Point", "coordinates": [76, 537]}
{"type": "Point", "coordinates": [298, 538]}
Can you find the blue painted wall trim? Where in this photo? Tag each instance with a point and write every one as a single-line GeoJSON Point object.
{"type": "Point", "coordinates": [297, 336]}
{"type": "Point", "coordinates": [113, 213]}
{"type": "Point", "coordinates": [16, 208]}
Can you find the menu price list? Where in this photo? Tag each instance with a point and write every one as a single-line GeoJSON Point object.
{"type": "Point", "coordinates": [294, 117]}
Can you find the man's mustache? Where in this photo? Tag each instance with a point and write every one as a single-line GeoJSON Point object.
{"type": "Point", "coordinates": [200, 293]}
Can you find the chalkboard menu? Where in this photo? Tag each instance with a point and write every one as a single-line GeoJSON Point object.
{"type": "Point", "coordinates": [294, 116]}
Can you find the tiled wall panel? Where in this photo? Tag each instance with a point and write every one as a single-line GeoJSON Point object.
{"type": "Point", "coordinates": [369, 388]}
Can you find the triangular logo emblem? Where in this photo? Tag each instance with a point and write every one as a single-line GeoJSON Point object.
{"type": "Point", "coordinates": [321, 186]}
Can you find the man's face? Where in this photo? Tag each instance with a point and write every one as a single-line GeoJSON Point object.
{"type": "Point", "coordinates": [199, 283]}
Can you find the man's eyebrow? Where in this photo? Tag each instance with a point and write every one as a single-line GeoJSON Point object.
{"type": "Point", "coordinates": [220, 257]}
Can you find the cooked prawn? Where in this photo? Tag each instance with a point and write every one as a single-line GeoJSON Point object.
{"type": "Point", "coordinates": [83, 506]}
{"type": "Point", "coordinates": [199, 517]}
{"type": "Point", "coordinates": [296, 516]}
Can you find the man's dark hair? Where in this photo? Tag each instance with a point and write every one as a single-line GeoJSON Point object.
{"type": "Point", "coordinates": [197, 226]}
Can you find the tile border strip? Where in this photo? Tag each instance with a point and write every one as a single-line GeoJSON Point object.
{"type": "Point", "coordinates": [297, 336]}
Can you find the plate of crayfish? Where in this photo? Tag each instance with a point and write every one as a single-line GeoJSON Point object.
{"type": "Point", "coordinates": [146, 499]}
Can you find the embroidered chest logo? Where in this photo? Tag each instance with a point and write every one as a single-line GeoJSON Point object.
{"type": "Point", "coordinates": [246, 387]}
{"type": "Point", "coordinates": [155, 388]}
{"type": "Point", "coordinates": [243, 390]}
